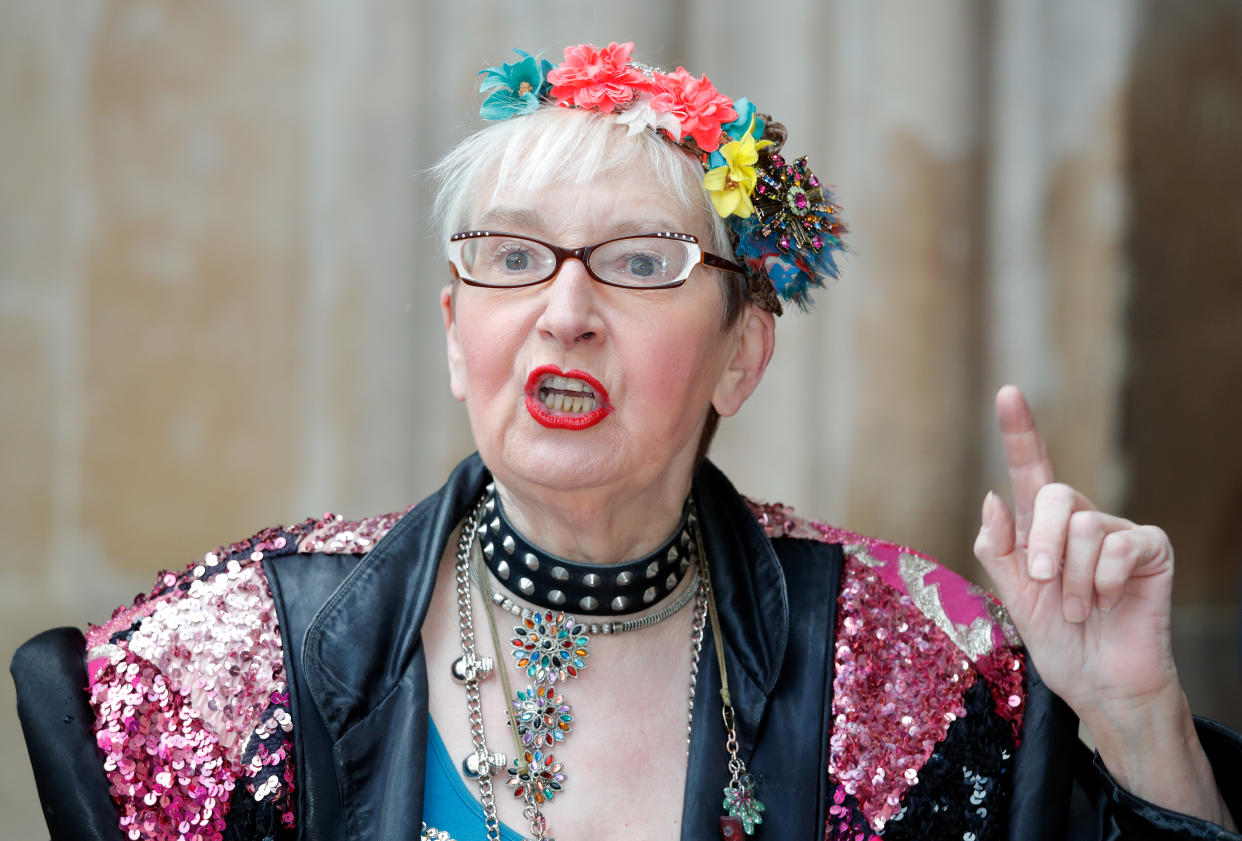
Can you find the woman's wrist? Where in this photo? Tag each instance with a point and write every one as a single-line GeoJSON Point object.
{"type": "Point", "coordinates": [1152, 751]}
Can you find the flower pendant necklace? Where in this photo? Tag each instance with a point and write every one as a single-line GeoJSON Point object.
{"type": "Point", "coordinates": [549, 647]}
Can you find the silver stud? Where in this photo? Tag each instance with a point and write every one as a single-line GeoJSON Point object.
{"type": "Point", "coordinates": [624, 578]}
{"type": "Point", "coordinates": [495, 525]}
{"type": "Point", "coordinates": [620, 603]}
{"type": "Point", "coordinates": [590, 580]}
{"type": "Point", "coordinates": [526, 586]}
{"type": "Point", "coordinates": [532, 563]}
{"type": "Point", "coordinates": [588, 603]}
{"type": "Point", "coordinates": [672, 554]}
{"type": "Point", "coordinates": [488, 550]}
{"type": "Point", "coordinates": [560, 573]}
{"type": "Point", "coordinates": [508, 544]}
{"type": "Point", "coordinates": [556, 597]}
{"type": "Point", "coordinates": [649, 595]}
{"type": "Point", "coordinates": [502, 569]}
{"type": "Point", "coordinates": [671, 581]}
{"type": "Point", "coordinates": [685, 564]}
{"type": "Point", "coordinates": [490, 505]}
{"type": "Point", "coordinates": [685, 538]}
{"type": "Point", "coordinates": [653, 569]}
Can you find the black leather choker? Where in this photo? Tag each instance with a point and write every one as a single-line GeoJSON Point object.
{"type": "Point", "coordinates": [547, 581]}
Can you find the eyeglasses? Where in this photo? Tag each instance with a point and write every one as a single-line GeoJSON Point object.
{"type": "Point", "coordinates": [646, 261]}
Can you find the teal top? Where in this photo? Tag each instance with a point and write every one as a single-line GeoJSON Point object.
{"type": "Point", "coordinates": [448, 806]}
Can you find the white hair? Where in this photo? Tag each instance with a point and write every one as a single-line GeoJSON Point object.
{"type": "Point", "coordinates": [556, 145]}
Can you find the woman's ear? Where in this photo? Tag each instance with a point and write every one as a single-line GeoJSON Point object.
{"type": "Point", "coordinates": [756, 339]}
{"type": "Point", "coordinates": [456, 361]}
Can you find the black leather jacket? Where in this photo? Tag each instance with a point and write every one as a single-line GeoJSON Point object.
{"type": "Point", "coordinates": [358, 687]}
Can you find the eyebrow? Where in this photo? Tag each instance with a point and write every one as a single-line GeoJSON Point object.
{"type": "Point", "coordinates": [523, 220]}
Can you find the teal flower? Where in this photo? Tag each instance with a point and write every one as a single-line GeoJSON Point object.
{"type": "Point", "coordinates": [738, 128]}
{"type": "Point", "coordinates": [515, 88]}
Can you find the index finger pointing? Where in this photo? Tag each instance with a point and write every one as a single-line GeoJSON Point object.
{"type": "Point", "coordinates": [1029, 466]}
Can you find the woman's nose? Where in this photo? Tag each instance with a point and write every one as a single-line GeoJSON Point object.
{"type": "Point", "coordinates": [571, 305]}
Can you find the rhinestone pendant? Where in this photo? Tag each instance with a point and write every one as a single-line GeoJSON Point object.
{"type": "Point", "coordinates": [535, 777]}
{"type": "Point", "coordinates": [740, 803]}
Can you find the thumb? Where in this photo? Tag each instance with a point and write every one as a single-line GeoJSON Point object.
{"type": "Point", "coordinates": [994, 547]}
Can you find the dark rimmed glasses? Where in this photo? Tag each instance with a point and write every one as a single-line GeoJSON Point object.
{"type": "Point", "coordinates": [644, 261]}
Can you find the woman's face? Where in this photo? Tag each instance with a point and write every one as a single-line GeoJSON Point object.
{"type": "Point", "coordinates": [653, 359]}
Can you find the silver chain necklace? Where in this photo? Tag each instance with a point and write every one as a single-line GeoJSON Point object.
{"type": "Point", "coordinates": [471, 669]}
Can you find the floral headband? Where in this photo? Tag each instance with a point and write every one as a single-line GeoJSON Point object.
{"type": "Point", "coordinates": [783, 224]}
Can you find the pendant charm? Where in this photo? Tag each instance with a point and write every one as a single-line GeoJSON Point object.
{"type": "Point", "coordinates": [741, 804]}
{"type": "Point", "coordinates": [550, 646]}
{"type": "Point", "coordinates": [731, 828]}
{"type": "Point", "coordinates": [543, 718]}
{"type": "Point", "coordinates": [536, 777]}
{"type": "Point", "coordinates": [475, 763]}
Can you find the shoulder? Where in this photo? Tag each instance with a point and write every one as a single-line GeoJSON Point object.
{"type": "Point", "coordinates": [189, 692]}
{"type": "Point", "coordinates": [923, 660]}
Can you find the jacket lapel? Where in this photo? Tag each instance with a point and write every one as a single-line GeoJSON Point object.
{"type": "Point", "coordinates": [365, 669]}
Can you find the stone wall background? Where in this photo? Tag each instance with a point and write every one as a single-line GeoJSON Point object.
{"type": "Point", "coordinates": [217, 297]}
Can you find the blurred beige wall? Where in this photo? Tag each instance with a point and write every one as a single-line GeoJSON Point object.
{"type": "Point", "coordinates": [218, 296]}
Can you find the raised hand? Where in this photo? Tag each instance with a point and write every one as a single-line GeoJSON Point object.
{"type": "Point", "coordinates": [1090, 595]}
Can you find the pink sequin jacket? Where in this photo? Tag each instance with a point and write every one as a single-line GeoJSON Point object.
{"type": "Point", "coordinates": [276, 689]}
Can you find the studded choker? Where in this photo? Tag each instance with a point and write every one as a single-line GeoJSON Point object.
{"type": "Point", "coordinates": [547, 581]}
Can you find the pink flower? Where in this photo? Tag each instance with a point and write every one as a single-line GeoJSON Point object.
{"type": "Point", "coordinates": [698, 106]}
{"type": "Point", "coordinates": [594, 78]}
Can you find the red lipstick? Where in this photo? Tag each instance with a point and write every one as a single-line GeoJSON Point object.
{"type": "Point", "coordinates": [555, 418]}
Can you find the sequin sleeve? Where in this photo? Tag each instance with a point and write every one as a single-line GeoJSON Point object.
{"type": "Point", "coordinates": [928, 693]}
{"type": "Point", "coordinates": [188, 687]}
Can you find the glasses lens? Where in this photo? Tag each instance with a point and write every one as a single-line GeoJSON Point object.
{"type": "Point", "coordinates": [642, 261]}
{"type": "Point", "coordinates": [506, 260]}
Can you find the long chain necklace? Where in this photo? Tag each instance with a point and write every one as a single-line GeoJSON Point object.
{"type": "Point", "coordinates": [549, 646]}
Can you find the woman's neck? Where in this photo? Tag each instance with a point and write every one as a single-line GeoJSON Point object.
{"type": "Point", "coordinates": [598, 527]}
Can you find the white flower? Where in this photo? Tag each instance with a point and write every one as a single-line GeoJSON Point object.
{"type": "Point", "coordinates": [640, 115]}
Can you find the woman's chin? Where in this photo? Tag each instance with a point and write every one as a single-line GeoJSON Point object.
{"type": "Point", "coordinates": [560, 460]}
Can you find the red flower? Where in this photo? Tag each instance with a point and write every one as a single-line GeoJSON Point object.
{"type": "Point", "coordinates": [594, 78]}
{"type": "Point", "coordinates": [696, 103]}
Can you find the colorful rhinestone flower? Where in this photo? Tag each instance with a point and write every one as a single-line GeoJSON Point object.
{"type": "Point", "coordinates": [794, 232]}
{"type": "Point", "coordinates": [536, 776]}
{"type": "Point", "coordinates": [602, 79]}
{"type": "Point", "coordinates": [550, 646]}
{"type": "Point", "coordinates": [515, 88]}
{"type": "Point", "coordinates": [543, 718]}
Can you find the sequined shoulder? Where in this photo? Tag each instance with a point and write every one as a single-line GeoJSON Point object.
{"type": "Point", "coordinates": [916, 645]}
{"type": "Point", "coordinates": [189, 692]}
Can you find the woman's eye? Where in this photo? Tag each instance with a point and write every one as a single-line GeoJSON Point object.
{"type": "Point", "coordinates": [513, 257]}
{"type": "Point", "coordinates": [644, 265]}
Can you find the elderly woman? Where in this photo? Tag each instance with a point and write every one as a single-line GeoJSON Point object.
{"type": "Point", "coordinates": [587, 632]}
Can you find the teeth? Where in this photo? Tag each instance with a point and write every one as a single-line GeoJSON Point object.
{"type": "Point", "coordinates": [566, 394]}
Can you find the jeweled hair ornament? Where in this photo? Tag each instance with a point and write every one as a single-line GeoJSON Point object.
{"type": "Point", "coordinates": [783, 223]}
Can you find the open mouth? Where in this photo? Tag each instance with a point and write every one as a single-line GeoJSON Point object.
{"type": "Point", "coordinates": [565, 399]}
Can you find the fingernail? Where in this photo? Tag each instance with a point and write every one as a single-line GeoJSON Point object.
{"type": "Point", "coordinates": [1104, 604]}
{"type": "Point", "coordinates": [1074, 609]}
{"type": "Point", "coordinates": [1042, 568]}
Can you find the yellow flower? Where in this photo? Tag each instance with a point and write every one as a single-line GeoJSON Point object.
{"type": "Point", "coordinates": [730, 185]}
